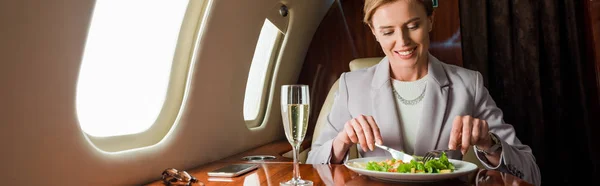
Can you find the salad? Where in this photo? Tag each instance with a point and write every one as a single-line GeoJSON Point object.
{"type": "Point", "coordinates": [440, 165]}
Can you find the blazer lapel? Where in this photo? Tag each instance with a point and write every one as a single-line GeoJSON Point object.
{"type": "Point", "coordinates": [434, 108]}
{"type": "Point", "coordinates": [384, 106]}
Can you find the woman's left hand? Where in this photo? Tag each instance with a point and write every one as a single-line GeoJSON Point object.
{"type": "Point", "coordinates": [468, 131]}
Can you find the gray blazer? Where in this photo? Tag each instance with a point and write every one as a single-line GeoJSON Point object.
{"type": "Point", "coordinates": [451, 91]}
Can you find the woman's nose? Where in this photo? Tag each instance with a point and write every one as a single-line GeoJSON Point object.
{"type": "Point", "coordinates": [403, 39]}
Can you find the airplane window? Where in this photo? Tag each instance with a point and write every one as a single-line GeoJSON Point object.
{"type": "Point", "coordinates": [126, 65]}
{"type": "Point", "coordinates": [260, 73]}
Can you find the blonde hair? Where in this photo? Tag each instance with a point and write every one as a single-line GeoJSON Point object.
{"type": "Point", "coordinates": [372, 5]}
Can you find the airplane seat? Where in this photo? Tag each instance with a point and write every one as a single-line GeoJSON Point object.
{"type": "Point", "coordinates": [354, 65]}
{"type": "Point", "coordinates": [361, 63]}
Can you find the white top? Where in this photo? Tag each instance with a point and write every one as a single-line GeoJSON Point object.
{"type": "Point", "coordinates": [409, 115]}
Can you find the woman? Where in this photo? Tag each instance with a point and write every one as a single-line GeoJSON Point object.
{"type": "Point", "coordinates": [413, 102]}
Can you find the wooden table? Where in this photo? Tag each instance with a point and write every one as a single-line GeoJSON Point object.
{"type": "Point", "coordinates": [272, 172]}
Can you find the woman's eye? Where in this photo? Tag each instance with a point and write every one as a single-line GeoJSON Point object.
{"type": "Point", "coordinates": [413, 27]}
{"type": "Point", "coordinates": [387, 33]}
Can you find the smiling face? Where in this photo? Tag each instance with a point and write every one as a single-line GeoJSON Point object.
{"type": "Point", "coordinates": [402, 29]}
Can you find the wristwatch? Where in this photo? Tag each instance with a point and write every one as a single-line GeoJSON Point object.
{"type": "Point", "coordinates": [494, 148]}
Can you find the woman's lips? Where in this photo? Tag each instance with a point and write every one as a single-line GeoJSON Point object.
{"type": "Point", "coordinates": [405, 54]}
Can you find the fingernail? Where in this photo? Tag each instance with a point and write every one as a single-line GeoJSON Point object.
{"type": "Point", "coordinates": [371, 147]}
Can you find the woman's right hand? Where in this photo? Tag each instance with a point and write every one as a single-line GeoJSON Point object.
{"type": "Point", "coordinates": [362, 130]}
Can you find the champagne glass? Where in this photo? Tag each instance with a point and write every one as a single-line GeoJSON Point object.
{"type": "Point", "coordinates": [294, 112]}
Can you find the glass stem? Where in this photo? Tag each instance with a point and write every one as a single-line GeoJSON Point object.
{"type": "Point", "coordinates": [295, 149]}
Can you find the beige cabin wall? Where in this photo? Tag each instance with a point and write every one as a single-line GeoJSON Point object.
{"type": "Point", "coordinates": [41, 47]}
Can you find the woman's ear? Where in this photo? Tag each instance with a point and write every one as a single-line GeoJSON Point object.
{"type": "Point", "coordinates": [431, 21]}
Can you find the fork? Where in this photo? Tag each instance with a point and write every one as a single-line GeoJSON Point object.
{"type": "Point", "coordinates": [436, 154]}
{"type": "Point", "coordinates": [396, 154]}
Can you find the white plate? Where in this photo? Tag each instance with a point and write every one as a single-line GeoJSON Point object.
{"type": "Point", "coordinates": [358, 165]}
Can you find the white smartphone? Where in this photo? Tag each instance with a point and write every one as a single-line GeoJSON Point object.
{"type": "Point", "coordinates": [232, 170]}
{"type": "Point", "coordinates": [220, 179]}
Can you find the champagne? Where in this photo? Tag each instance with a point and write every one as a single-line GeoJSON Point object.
{"type": "Point", "coordinates": [297, 123]}
{"type": "Point", "coordinates": [294, 113]}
